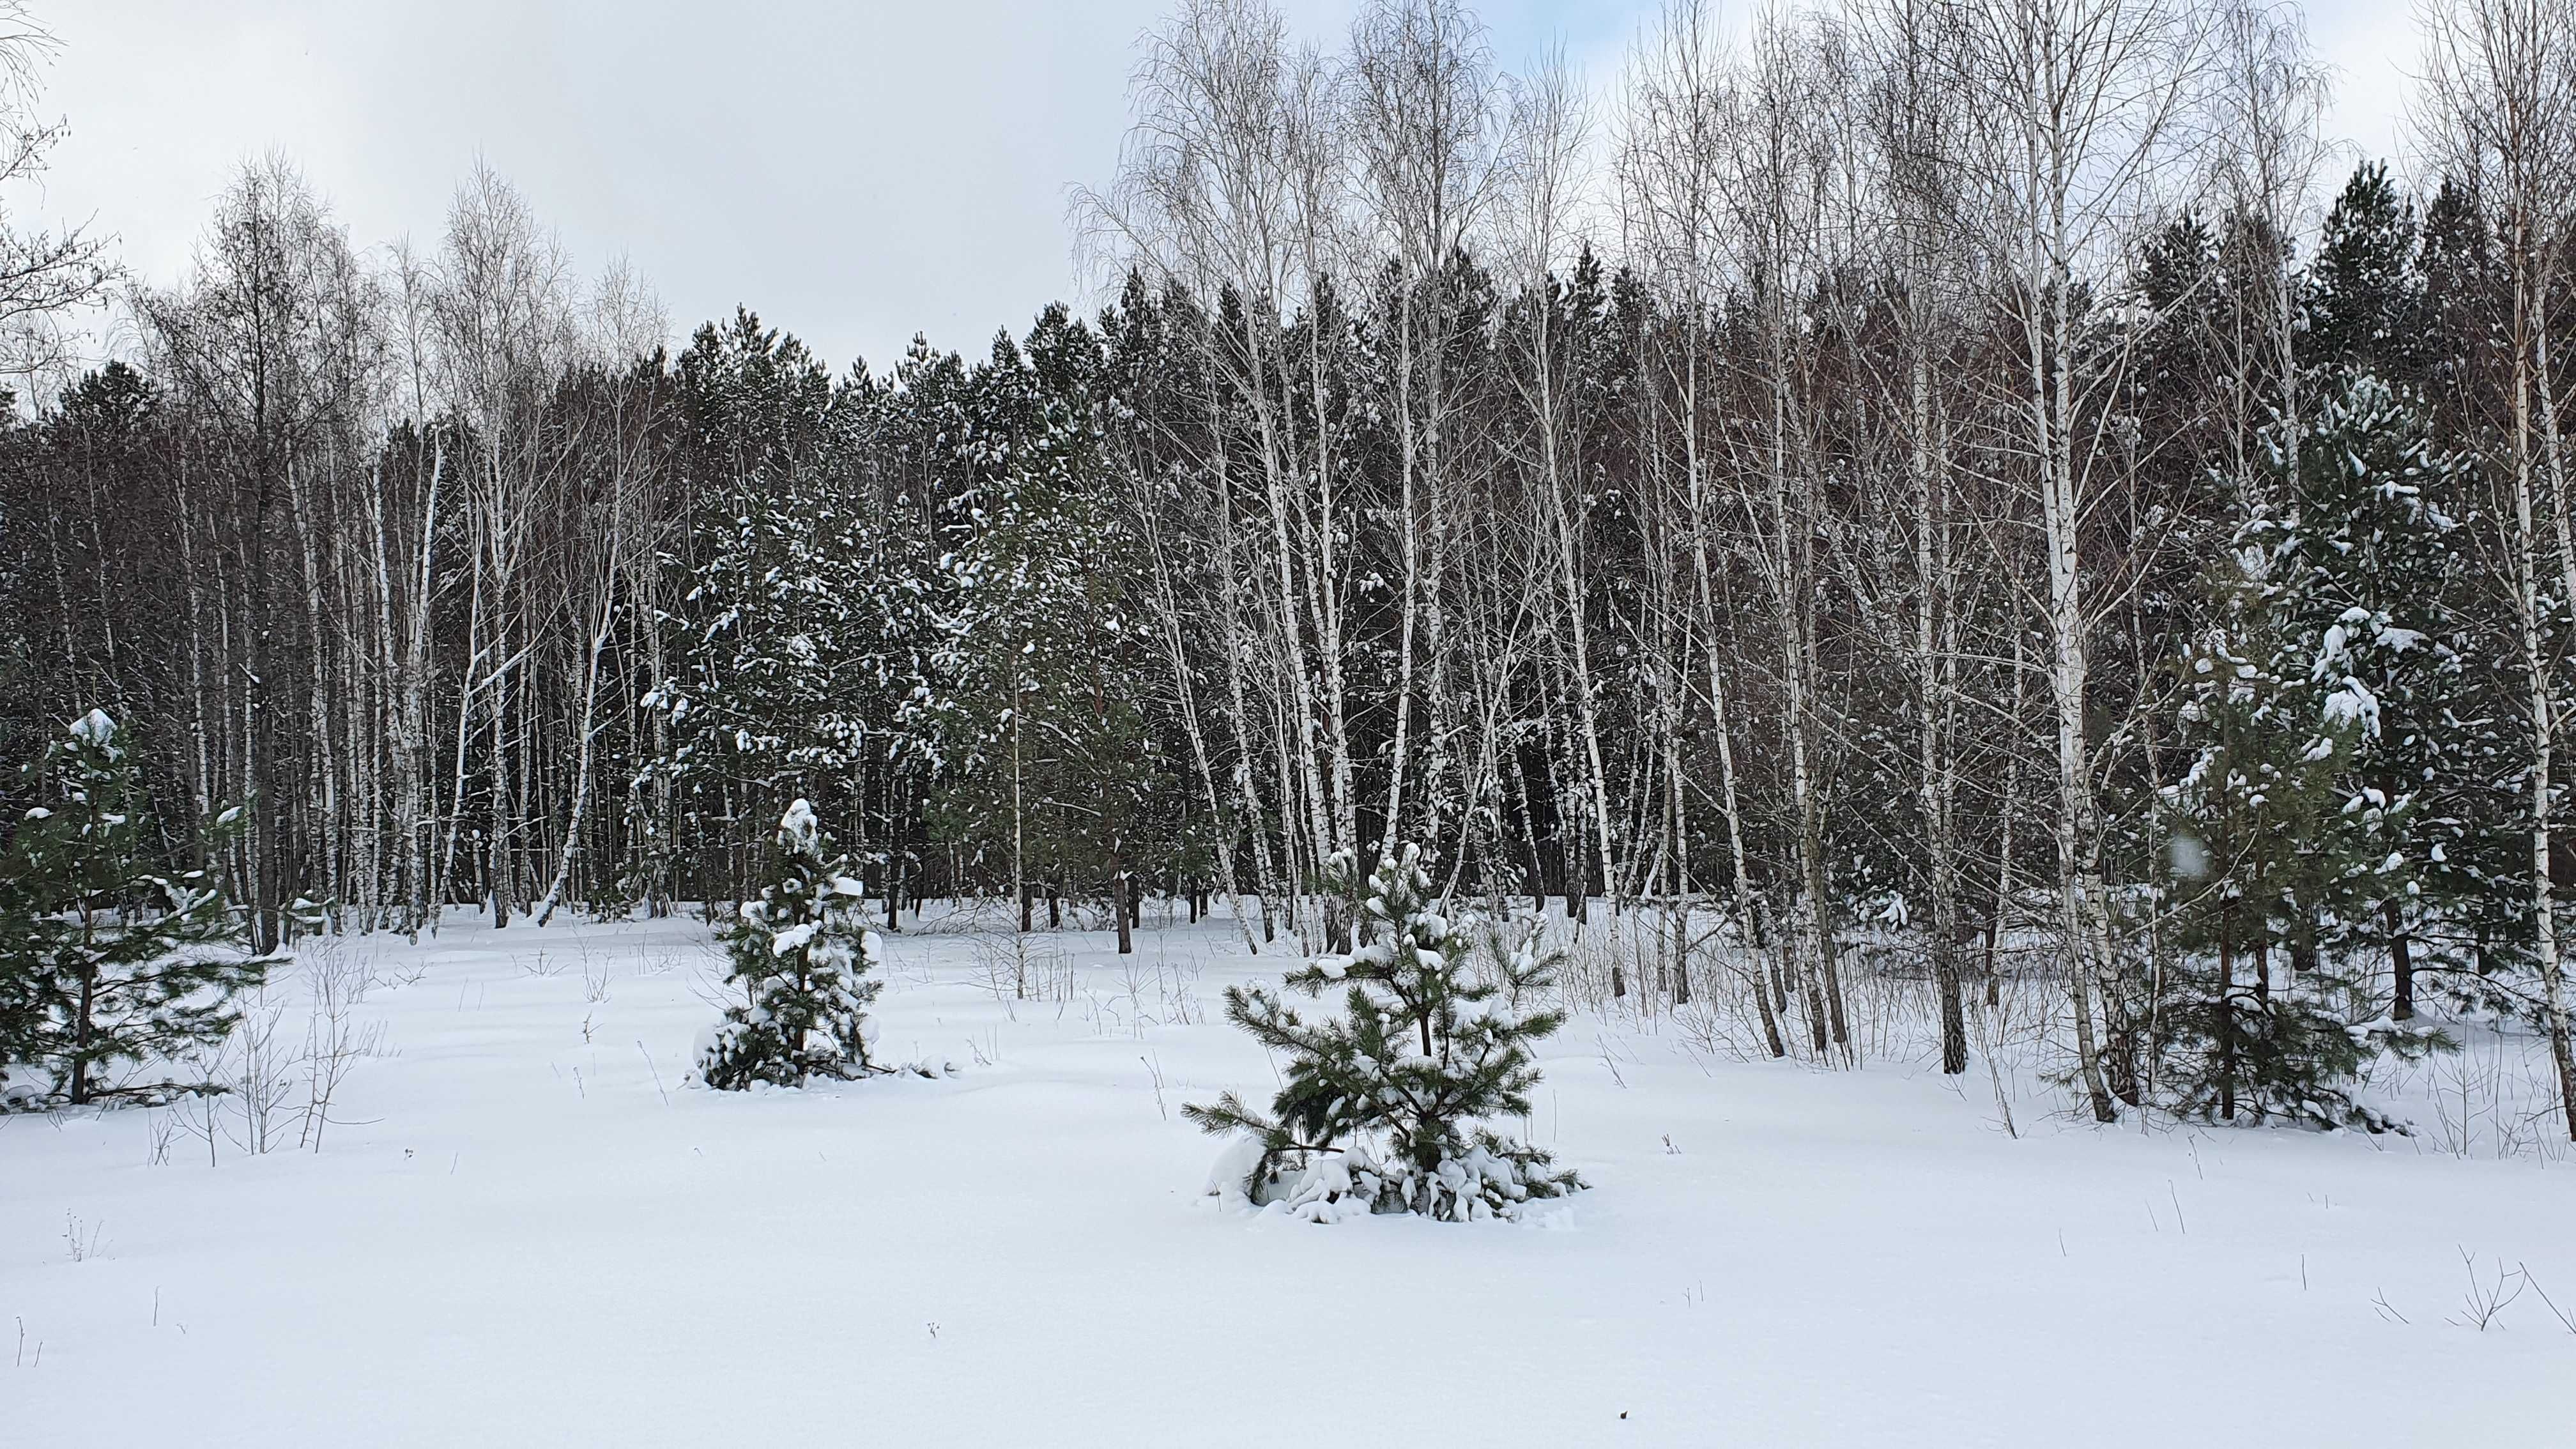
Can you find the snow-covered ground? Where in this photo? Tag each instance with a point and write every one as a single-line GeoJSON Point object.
{"type": "Point", "coordinates": [522, 1228]}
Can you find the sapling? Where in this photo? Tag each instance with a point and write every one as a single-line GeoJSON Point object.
{"type": "Point", "coordinates": [108, 959]}
{"type": "Point", "coordinates": [1384, 1105]}
{"type": "Point", "coordinates": [334, 1040]}
{"type": "Point", "coordinates": [800, 956]}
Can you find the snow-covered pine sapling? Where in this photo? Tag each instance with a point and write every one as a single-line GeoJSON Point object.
{"type": "Point", "coordinates": [107, 959]}
{"type": "Point", "coordinates": [1386, 1104]}
{"type": "Point", "coordinates": [800, 956]}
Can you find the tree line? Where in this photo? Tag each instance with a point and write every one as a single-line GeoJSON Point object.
{"type": "Point", "coordinates": [1983, 480]}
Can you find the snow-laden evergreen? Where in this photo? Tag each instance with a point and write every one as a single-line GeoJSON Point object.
{"type": "Point", "coordinates": [1387, 1106]}
{"type": "Point", "coordinates": [2317, 702]}
{"type": "Point", "coordinates": [801, 956]}
{"type": "Point", "coordinates": [107, 959]}
{"type": "Point", "coordinates": [1044, 736]}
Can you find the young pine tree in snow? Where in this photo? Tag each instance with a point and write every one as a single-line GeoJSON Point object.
{"type": "Point", "coordinates": [105, 959]}
{"type": "Point", "coordinates": [2314, 707]}
{"type": "Point", "coordinates": [801, 954]}
{"type": "Point", "coordinates": [2259, 843]}
{"type": "Point", "coordinates": [1385, 1104]}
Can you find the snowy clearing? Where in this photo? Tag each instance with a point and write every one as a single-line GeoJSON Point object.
{"type": "Point", "coordinates": [523, 1229]}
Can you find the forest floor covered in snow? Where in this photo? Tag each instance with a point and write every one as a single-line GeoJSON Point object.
{"type": "Point", "coordinates": [521, 1227]}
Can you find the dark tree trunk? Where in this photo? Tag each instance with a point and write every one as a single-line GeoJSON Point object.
{"type": "Point", "coordinates": [1954, 1016]}
{"type": "Point", "coordinates": [82, 1031]}
{"type": "Point", "coordinates": [2226, 1005]}
{"type": "Point", "coordinates": [2401, 957]}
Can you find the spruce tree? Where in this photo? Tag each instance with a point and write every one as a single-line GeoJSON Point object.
{"type": "Point", "coordinates": [801, 954]}
{"type": "Point", "coordinates": [1385, 1104]}
{"type": "Point", "coordinates": [106, 958]}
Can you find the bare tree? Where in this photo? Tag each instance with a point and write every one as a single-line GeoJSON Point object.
{"type": "Point", "coordinates": [1423, 109]}
{"type": "Point", "coordinates": [2077, 102]}
{"type": "Point", "coordinates": [1915, 122]}
{"type": "Point", "coordinates": [44, 273]}
{"type": "Point", "coordinates": [504, 325]}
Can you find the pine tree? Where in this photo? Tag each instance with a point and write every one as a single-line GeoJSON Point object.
{"type": "Point", "coordinates": [2315, 704]}
{"type": "Point", "coordinates": [2364, 567]}
{"type": "Point", "coordinates": [2485, 867]}
{"type": "Point", "coordinates": [770, 597]}
{"type": "Point", "coordinates": [801, 954]}
{"type": "Point", "coordinates": [1384, 1104]}
{"type": "Point", "coordinates": [2257, 841]}
{"type": "Point", "coordinates": [2365, 295]}
{"type": "Point", "coordinates": [1048, 765]}
{"type": "Point", "coordinates": [2456, 258]}
{"type": "Point", "coordinates": [105, 959]}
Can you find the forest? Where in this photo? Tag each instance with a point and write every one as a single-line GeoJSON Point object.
{"type": "Point", "coordinates": [1932, 497]}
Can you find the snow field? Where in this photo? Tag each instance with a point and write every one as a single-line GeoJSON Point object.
{"type": "Point", "coordinates": [523, 1228]}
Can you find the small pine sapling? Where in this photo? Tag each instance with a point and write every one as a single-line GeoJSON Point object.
{"type": "Point", "coordinates": [106, 959]}
{"type": "Point", "coordinates": [1385, 1105]}
{"type": "Point", "coordinates": [800, 956]}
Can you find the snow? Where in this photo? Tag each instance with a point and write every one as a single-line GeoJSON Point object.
{"type": "Point", "coordinates": [96, 728]}
{"type": "Point", "coordinates": [524, 1229]}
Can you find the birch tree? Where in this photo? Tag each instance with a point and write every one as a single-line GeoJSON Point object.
{"type": "Point", "coordinates": [2077, 101]}
{"type": "Point", "coordinates": [2499, 109]}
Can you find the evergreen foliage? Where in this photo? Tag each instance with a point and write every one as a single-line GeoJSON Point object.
{"type": "Point", "coordinates": [801, 954]}
{"type": "Point", "coordinates": [2365, 293]}
{"type": "Point", "coordinates": [1035, 714]}
{"type": "Point", "coordinates": [1385, 1105]}
{"type": "Point", "coordinates": [106, 959]}
{"type": "Point", "coordinates": [2366, 567]}
{"type": "Point", "coordinates": [2315, 702]}
{"type": "Point", "coordinates": [768, 617]}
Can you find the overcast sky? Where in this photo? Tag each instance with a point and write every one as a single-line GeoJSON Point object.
{"type": "Point", "coordinates": [854, 170]}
